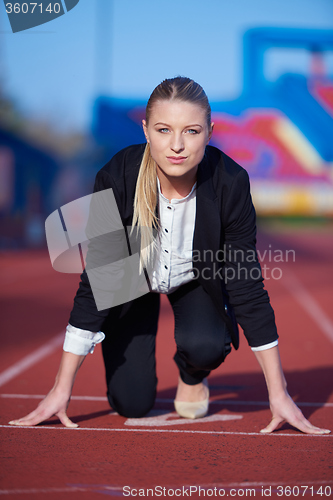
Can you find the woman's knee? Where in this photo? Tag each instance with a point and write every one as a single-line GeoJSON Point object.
{"type": "Point", "coordinates": [132, 408]}
{"type": "Point", "coordinates": [132, 405]}
{"type": "Point", "coordinates": [204, 354]}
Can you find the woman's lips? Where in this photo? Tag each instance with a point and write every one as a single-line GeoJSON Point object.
{"type": "Point", "coordinates": [176, 159]}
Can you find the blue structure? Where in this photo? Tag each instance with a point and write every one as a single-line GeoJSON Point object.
{"type": "Point", "coordinates": [27, 177]}
{"type": "Point", "coordinates": [281, 132]}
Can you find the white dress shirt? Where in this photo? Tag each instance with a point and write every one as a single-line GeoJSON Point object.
{"type": "Point", "coordinates": [173, 264]}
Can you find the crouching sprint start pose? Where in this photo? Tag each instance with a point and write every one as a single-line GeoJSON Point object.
{"type": "Point", "coordinates": [198, 202]}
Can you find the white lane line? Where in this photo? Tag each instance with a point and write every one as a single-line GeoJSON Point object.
{"type": "Point", "coordinates": [308, 303]}
{"type": "Point", "coordinates": [158, 418]}
{"type": "Point", "coordinates": [107, 429]}
{"type": "Point", "coordinates": [160, 400]}
{"type": "Point", "coordinates": [41, 396]}
{"type": "Point", "coordinates": [271, 483]}
{"type": "Point", "coordinates": [109, 488]}
{"type": "Point", "coordinates": [35, 491]}
{"type": "Point", "coordinates": [31, 359]}
{"type": "Point", "coordinates": [223, 402]}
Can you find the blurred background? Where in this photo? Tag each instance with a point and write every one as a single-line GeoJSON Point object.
{"type": "Point", "coordinates": [73, 93]}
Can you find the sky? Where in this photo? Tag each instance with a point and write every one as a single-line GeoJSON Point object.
{"type": "Point", "coordinates": [124, 48]}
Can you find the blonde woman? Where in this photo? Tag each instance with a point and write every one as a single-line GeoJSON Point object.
{"type": "Point", "coordinates": [198, 201]}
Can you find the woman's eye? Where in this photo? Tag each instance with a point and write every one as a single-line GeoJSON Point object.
{"type": "Point", "coordinates": [163, 130]}
{"type": "Point", "coordinates": [192, 131]}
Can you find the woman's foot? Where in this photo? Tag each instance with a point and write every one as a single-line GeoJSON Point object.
{"type": "Point", "coordinates": [192, 393]}
{"type": "Point", "coordinates": [192, 400]}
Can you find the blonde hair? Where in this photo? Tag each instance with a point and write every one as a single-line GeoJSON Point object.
{"type": "Point", "coordinates": [145, 199]}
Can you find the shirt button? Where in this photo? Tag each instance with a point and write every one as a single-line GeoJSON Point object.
{"type": "Point", "coordinates": [169, 208]}
{"type": "Point", "coordinates": [166, 251]}
{"type": "Point", "coordinates": [166, 230]}
{"type": "Point", "coordinates": [166, 267]}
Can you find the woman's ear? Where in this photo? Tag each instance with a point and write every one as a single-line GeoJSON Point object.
{"type": "Point", "coordinates": [210, 132]}
{"type": "Point", "coordinates": [145, 130]}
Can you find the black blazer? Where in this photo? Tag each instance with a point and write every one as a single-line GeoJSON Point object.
{"type": "Point", "coordinates": [224, 253]}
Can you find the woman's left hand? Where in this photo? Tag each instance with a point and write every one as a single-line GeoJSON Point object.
{"type": "Point", "coordinates": [284, 409]}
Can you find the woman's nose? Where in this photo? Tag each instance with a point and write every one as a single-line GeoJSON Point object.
{"type": "Point", "coordinates": [177, 143]}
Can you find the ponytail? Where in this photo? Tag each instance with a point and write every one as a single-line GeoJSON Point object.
{"type": "Point", "coordinates": [145, 202]}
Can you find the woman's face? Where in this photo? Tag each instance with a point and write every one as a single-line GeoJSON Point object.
{"type": "Point", "coordinates": [178, 134]}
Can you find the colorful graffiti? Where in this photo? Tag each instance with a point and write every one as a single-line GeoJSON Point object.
{"type": "Point", "coordinates": [281, 131]}
{"type": "Point", "coordinates": [287, 173]}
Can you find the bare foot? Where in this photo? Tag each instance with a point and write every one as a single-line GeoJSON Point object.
{"type": "Point", "coordinates": [192, 393]}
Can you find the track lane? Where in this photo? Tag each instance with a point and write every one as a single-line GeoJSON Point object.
{"type": "Point", "coordinates": [141, 457]}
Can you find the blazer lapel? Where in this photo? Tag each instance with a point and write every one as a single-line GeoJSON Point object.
{"type": "Point", "coordinates": [207, 232]}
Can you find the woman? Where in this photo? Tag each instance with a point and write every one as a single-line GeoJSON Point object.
{"type": "Point", "coordinates": [198, 200]}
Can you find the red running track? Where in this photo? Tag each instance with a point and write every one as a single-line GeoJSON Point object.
{"type": "Point", "coordinates": [222, 453]}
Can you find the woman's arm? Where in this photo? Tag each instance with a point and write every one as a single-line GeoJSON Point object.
{"type": "Point", "coordinates": [282, 406]}
{"type": "Point", "coordinates": [57, 400]}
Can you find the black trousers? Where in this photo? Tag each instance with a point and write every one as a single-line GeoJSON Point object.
{"type": "Point", "coordinates": [202, 342]}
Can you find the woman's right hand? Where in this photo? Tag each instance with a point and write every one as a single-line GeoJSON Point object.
{"type": "Point", "coordinates": [55, 403]}
{"type": "Point", "coordinates": [57, 400]}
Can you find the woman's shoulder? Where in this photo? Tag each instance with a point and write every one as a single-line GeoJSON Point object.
{"type": "Point", "coordinates": [124, 161]}
{"type": "Point", "coordinates": [121, 172]}
{"type": "Point", "coordinates": [223, 168]}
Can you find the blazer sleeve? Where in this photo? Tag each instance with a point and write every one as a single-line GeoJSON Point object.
{"type": "Point", "coordinates": [85, 314]}
{"type": "Point", "coordinates": [242, 271]}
